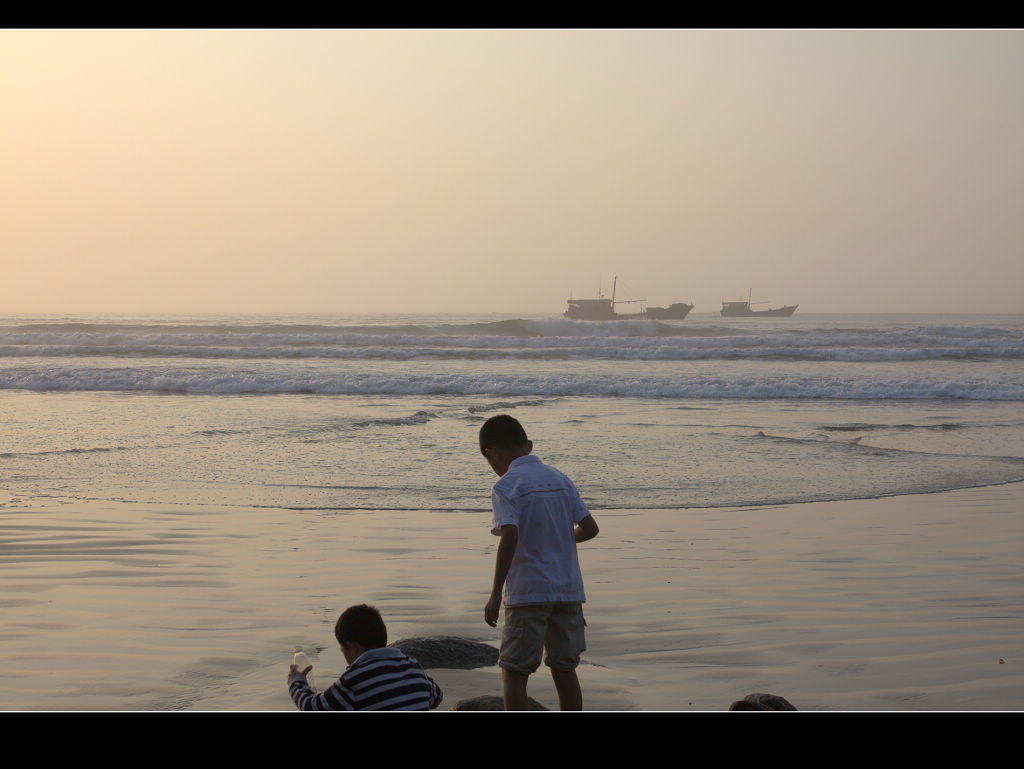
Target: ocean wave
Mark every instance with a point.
(501, 405)
(851, 444)
(59, 452)
(865, 427)
(419, 418)
(551, 339)
(660, 353)
(699, 386)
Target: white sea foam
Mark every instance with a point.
(735, 385)
(880, 359)
(548, 339)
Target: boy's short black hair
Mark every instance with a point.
(502, 432)
(362, 624)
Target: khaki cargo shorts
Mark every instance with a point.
(555, 628)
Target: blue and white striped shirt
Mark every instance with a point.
(381, 679)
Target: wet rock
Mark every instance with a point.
(448, 652)
(490, 703)
(762, 702)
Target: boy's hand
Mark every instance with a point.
(491, 610)
(506, 552)
(294, 670)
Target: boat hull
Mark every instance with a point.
(593, 310)
(730, 310)
(676, 311)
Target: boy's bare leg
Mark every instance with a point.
(570, 697)
(515, 689)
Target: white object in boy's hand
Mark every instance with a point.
(301, 661)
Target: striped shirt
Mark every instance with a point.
(381, 679)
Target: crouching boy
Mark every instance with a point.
(378, 677)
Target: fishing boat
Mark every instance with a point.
(603, 308)
(743, 309)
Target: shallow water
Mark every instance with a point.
(344, 412)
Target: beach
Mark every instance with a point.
(824, 507)
(902, 603)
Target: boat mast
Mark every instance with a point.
(615, 283)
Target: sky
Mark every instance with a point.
(507, 170)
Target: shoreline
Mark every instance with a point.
(905, 602)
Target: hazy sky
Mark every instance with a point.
(413, 170)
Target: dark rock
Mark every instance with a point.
(762, 702)
(490, 703)
(448, 652)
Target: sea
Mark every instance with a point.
(346, 412)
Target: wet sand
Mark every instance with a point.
(903, 603)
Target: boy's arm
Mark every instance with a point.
(586, 529)
(506, 551)
(307, 698)
(436, 695)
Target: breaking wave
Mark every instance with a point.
(549, 339)
(283, 380)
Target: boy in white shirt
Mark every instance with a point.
(540, 518)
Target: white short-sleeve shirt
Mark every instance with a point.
(544, 505)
